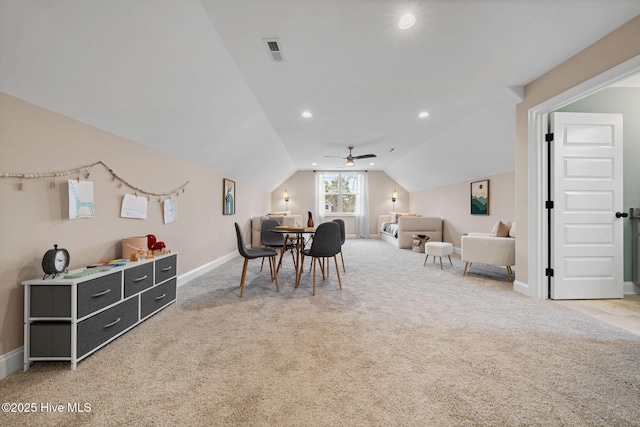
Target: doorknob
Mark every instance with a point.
(621, 214)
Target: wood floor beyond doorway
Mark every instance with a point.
(623, 313)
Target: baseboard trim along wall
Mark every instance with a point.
(522, 288)
(190, 275)
(11, 362)
(631, 289)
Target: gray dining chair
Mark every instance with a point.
(248, 254)
(276, 241)
(325, 244)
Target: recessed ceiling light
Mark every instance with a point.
(306, 114)
(371, 164)
(314, 164)
(423, 114)
(406, 21)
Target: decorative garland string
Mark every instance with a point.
(86, 169)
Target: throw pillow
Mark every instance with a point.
(500, 229)
(396, 215)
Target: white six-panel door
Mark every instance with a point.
(587, 248)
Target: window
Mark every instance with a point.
(340, 192)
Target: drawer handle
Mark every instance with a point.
(140, 278)
(161, 296)
(108, 325)
(167, 268)
(99, 294)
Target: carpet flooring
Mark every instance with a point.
(401, 344)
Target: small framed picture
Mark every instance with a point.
(228, 197)
(480, 197)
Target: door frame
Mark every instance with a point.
(537, 231)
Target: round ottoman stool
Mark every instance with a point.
(438, 249)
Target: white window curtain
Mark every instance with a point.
(318, 205)
(362, 206)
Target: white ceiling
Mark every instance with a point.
(194, 78)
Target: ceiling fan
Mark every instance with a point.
(350, 158)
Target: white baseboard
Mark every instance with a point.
(11, 362)
(522, 288)
(631, 289)
(190, 275)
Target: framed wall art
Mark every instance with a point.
(228, 197)
(480, 197)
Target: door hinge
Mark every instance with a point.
(548, 137)
(548, 272)
(548, 204)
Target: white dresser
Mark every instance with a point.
(69, 319)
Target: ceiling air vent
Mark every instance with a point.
(274, 49)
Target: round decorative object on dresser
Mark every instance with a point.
(55, 261)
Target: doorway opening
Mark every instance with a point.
(538, 153)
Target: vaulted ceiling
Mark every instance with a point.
(195, 78)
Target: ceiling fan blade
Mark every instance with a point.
(336, 157)
(365, 156)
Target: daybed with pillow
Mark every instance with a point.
(398, 229)
(495, 248)
(283, 218)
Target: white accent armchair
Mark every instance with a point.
(482, 248)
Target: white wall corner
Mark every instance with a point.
(517, 91)
(11, 362)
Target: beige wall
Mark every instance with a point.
(614, 49)
(36, 140)
(381, 186)
(452, 203)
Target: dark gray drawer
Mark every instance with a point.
(50, 339)
(166, 268)
(101, 327)
(50, 301)
(158, 297)
(137, 279)
(98, 293)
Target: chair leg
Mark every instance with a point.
(425, 260)
(244, 275)
(342, 256)
(273, 260)
(314, 276)
(261, 265)
(282, 253)
(450, 262)
(440, 263)
(293, 258)
(338, 271)
(509, 273)
(467, 265)
(271, 268)
(299, 272)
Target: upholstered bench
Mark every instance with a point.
(438, 249)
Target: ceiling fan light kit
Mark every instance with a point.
(350, 158)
